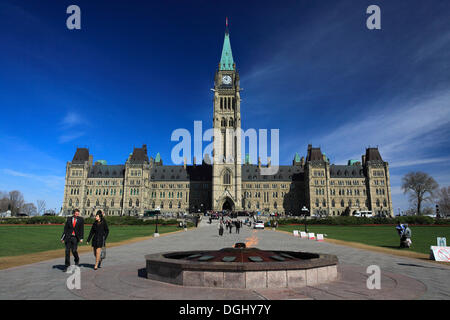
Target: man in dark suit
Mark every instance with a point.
(73, 233)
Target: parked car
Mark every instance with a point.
(258, 225)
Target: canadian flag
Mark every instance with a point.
(226, 21)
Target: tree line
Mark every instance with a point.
(14, 201)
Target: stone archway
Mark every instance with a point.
(228, 205)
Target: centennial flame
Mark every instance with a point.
(252, 241)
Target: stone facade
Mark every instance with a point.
(226, 183)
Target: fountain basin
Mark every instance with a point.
(246, 268)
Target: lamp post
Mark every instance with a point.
(305, 211)
(156, 234)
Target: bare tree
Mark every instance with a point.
(4, 201)
(443, 199)
(29, 209)
(16, 201)
(40, 204)
(420, 187)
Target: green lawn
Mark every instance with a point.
(23, 239)
(382, 236)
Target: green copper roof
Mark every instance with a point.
(247, 158)
(226, 62)
(103, 162)
(297, 157)
(351, 162)
(158, 157)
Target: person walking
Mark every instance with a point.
(220, 226)
(72, 234)
(238, 226)
(99, 234)
(230, 225)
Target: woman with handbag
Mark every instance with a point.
(99, 233)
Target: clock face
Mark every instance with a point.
(226, 80)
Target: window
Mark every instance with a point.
(227, 178)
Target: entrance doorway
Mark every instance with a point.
(228, 205)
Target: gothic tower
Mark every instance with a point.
(227, 182)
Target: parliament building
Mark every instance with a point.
(227, 183)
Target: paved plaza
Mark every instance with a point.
(123, 274)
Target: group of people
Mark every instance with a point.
(405, 235)
(74, 233)
(229, 224)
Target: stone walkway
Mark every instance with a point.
(122, 275)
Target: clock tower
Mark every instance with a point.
(227, 181)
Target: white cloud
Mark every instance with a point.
(50, 181)
(69, 124)
(399, 132)
(69, 137)
(72, 119)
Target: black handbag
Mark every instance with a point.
(103, 252)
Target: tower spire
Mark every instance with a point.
(226, 61)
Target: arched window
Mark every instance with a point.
(342, 203)
(227, 178)
(324, 203)
(230, 123)
(333, 203)
(153, 205)
(137, 202)
(70, 202)
(130, 203)
(378, 202)
(179, 205)
(162, 205)
(97, 203)
(275, 205)
(221, 103)
(112, 203)
(170, 205)
(88, 203)
(384, 203)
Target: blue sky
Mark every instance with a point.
(138, 70)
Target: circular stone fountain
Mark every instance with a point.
(242, 267)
